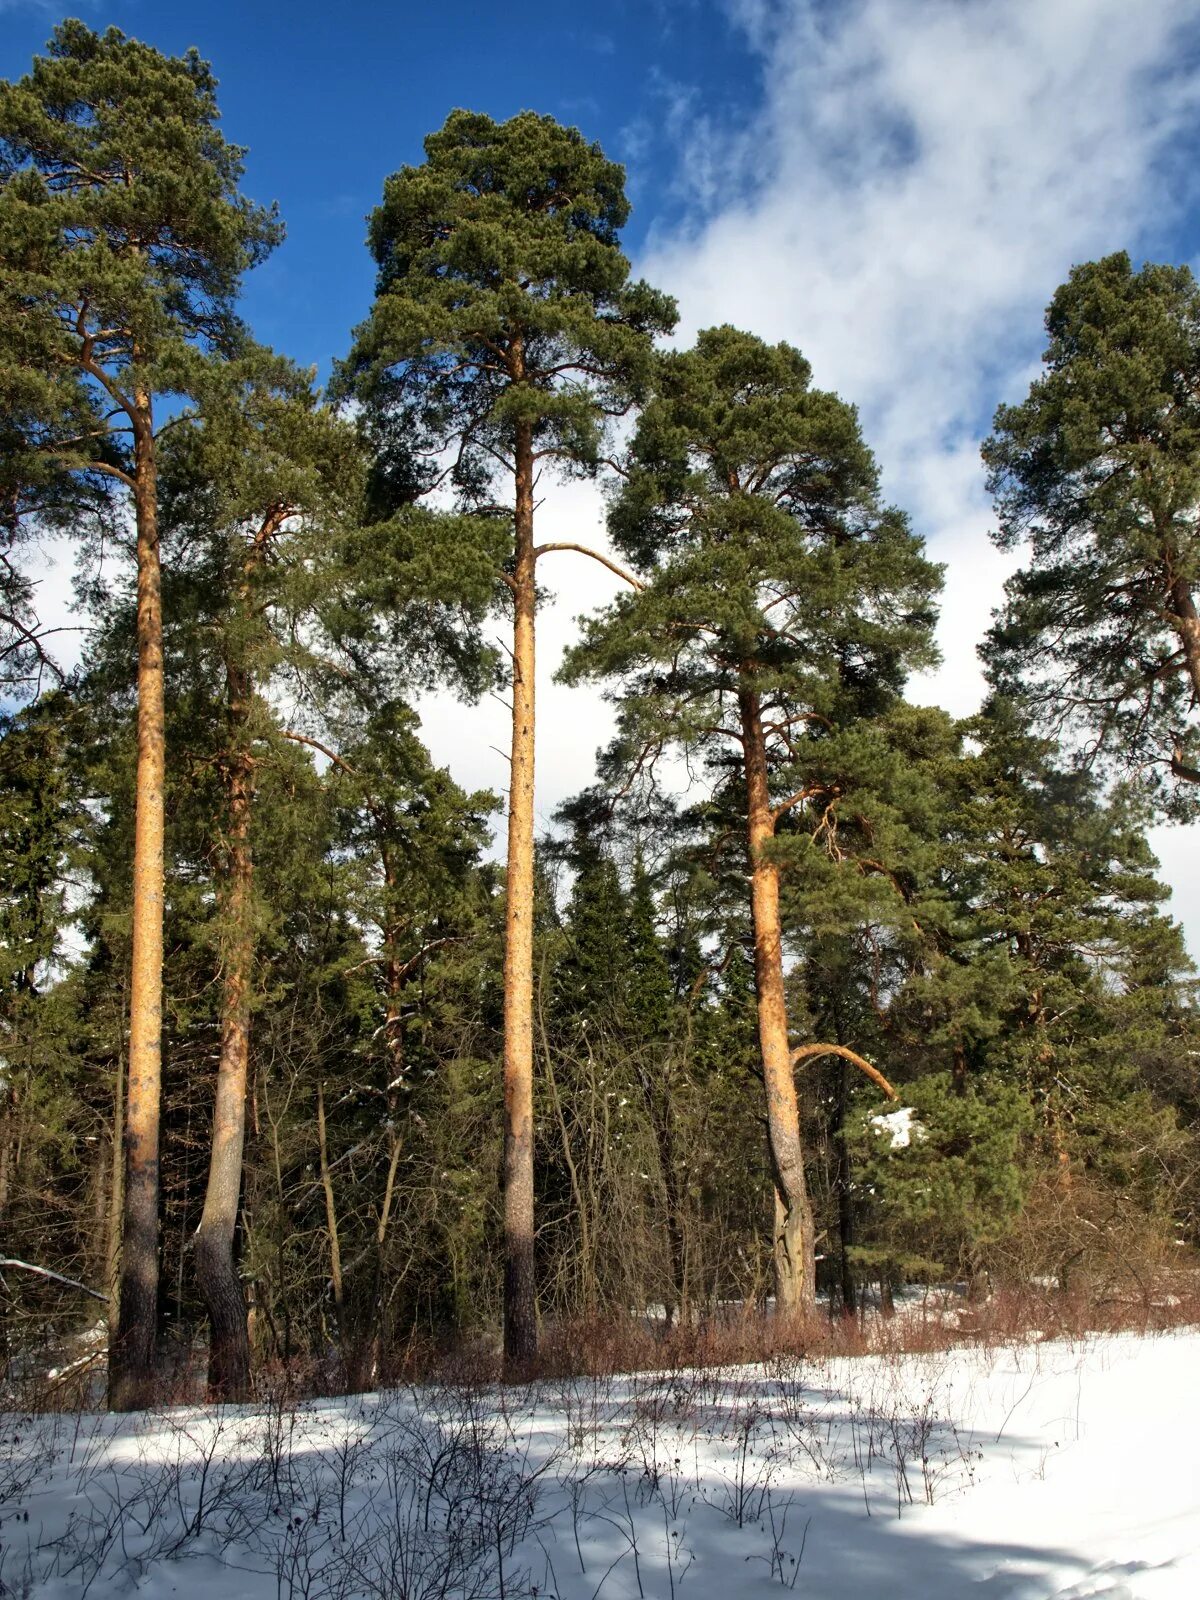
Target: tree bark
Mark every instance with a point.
(8, 1098)
(331, 1222)
(664, 1132)
(364, 1361)
(216, 1269)
(520, 1307)
(842, 1178)
(112, 1261)
(794, 1252)
(1187, 626)
(131, 1362)
(100, 1191)
(658, 1091)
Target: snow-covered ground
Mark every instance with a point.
(1049, 1470)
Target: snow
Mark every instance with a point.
(1047, 1471)
(901, 1125)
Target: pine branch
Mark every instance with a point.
(583, 550)
(809, 1052)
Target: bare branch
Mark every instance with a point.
(583, 550)
(809, 1052)
(315, 744)
(55, 1277)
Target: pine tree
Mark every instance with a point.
(37, 820)
(658, 1055)
(648, 989)
(263, 482)
(122, 242)
(416, 839)
(780, 603)
(1099, 468)
(999, 979)
(505, 332)
(590, 976)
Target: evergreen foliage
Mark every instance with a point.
(505, 334)
(780, 605)
(383, 1057)
(1099, 468)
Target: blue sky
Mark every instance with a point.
(896, 186)
(331, 98)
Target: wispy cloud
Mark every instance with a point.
(917, 179)
(921, 174)
(920, 177)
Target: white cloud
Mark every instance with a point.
(920, 176)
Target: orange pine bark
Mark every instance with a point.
(794, 1255)
(132, 1351)
(520, 1306)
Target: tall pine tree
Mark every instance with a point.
(1099, 469)
(505, 332)
(781, 602)
(123, 239)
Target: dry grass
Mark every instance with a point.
(927, 1320)
(924, 1321)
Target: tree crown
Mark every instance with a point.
(750, 505)
(503, 298)
(1099, 468)
(120, 200)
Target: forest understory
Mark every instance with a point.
(320, 1073)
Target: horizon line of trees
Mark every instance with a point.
(281, 1051)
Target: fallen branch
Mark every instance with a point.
(808, 1052)
(58, 1375)
(44, 1272)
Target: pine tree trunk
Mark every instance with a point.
(676, 1244)
(216, 1269)
(845, 1198)
(100, 1191)
(131, 1360)
(794, 1254)
(1187, 626)
(366, 1359)
(8, 1099)
(112, 1262)
(331, 1224)
(520, 1309)
(660, 1108)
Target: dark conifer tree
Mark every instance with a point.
(1099, 468)
(505, 333)
(123, 238)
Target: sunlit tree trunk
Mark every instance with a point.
(794, 1255)
(131, 1372)
(520, 1309)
